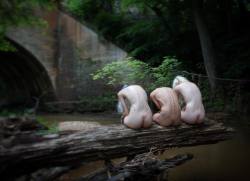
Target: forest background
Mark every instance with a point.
(205, 41)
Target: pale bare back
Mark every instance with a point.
(137, 114)
(166, 100)
(193, 112)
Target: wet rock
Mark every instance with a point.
(77, 125)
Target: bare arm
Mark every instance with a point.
(153, 98)
(177, 90)
(125, 108)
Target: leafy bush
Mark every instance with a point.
(132, 71)
(165, 72)
(129, 71)
(19, 13)
(17, 112)
(51, 125)
(97, 103)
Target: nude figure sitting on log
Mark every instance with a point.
(193, 112)
(166, 101)
(136, 111)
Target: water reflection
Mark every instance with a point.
(84, 170)
(102, 118)
(226, 160)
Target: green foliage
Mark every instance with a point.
(128, 71)
(17, 13)
(146, 29)
(131, 71)
(211, 103)
(144, 37)
(77, 7)
(7, 113)
(165, 73)
(6, 46)
(88, 9)
(51, 125)
(105, 102)
(17, 112)
(97, 103)
(140, 5)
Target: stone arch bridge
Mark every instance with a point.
(54, 61)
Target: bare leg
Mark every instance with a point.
(199, 119)
(147, 122)
(156, 117)
(186, 118)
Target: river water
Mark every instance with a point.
(228, 160)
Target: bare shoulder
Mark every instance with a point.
(123, 92)
(169, 89)
(178, 87)
(163, 89)
(130, 89)
(186, 85)
(156, 91)
(153, 93)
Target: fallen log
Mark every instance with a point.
(103, 142)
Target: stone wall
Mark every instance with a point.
(69, 52)
(81, 52)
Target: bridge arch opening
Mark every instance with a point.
(23, 79)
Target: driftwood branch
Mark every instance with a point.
(103, 142)
(142, 167)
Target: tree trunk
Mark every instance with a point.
(208, 51)
(228, 4)
(242, 8)
(102, 143)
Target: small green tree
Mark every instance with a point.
(132, 71)
(164, 74)
(128, 71)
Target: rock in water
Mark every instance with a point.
(77, 125)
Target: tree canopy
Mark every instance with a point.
(206, 37)
(17, 13)
(150, 30)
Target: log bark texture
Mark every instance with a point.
(103, 142)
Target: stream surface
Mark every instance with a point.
(224, 161)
